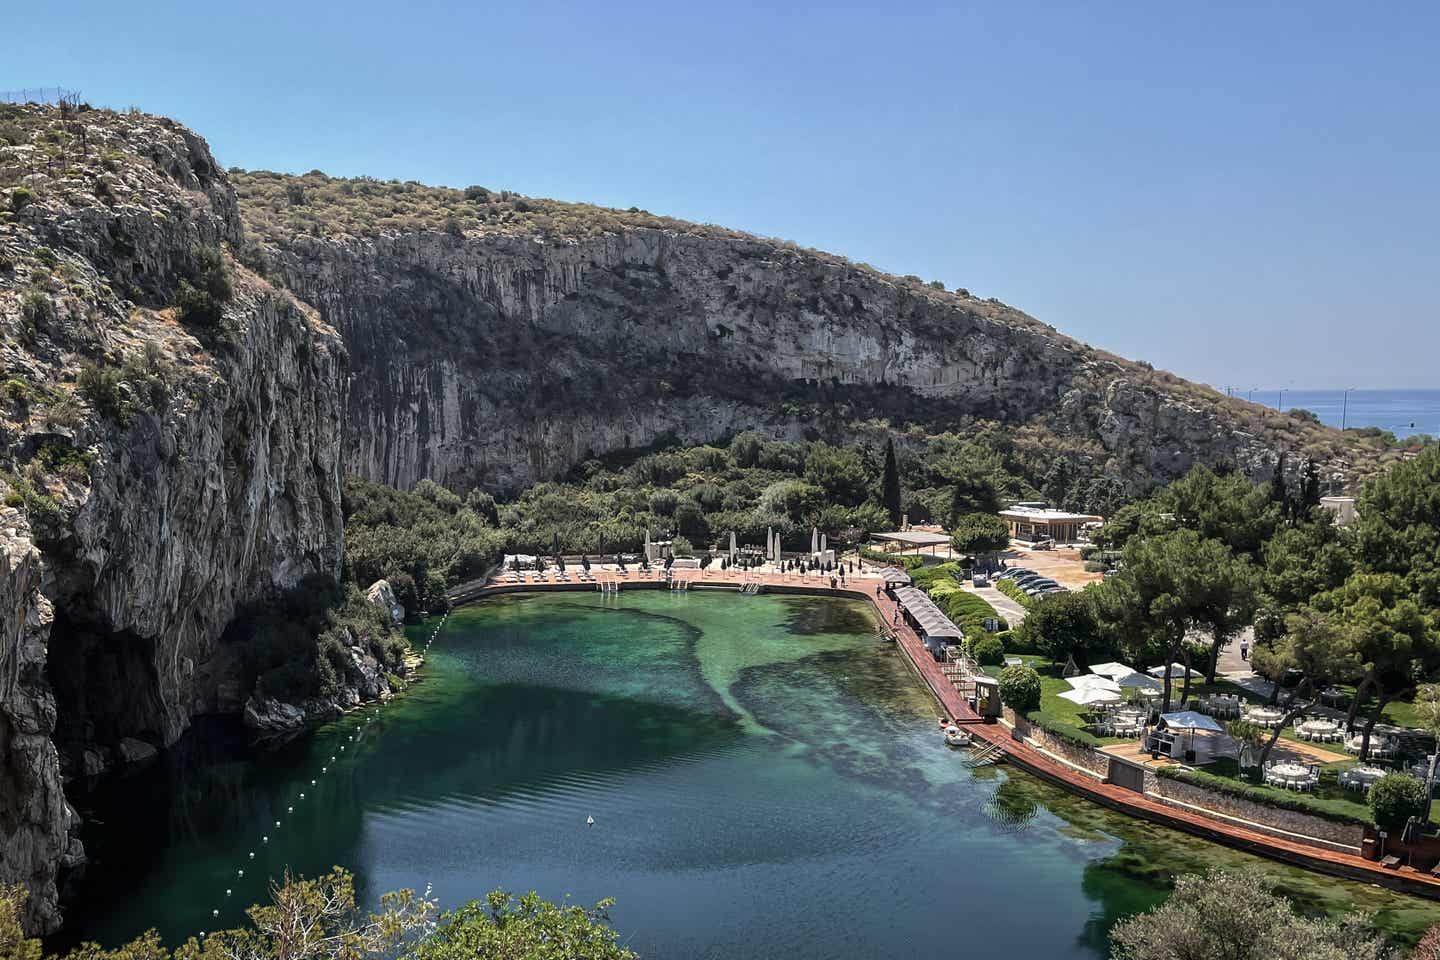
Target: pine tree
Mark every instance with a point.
(890, 484)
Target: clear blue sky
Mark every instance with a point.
(1246, 194)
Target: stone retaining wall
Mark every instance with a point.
(1083, 757)
(1288, 824)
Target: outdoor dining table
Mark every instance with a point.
(1379, 744)
(1285, 771)
(1266, 716)
(1318, 729)
(1361, 776)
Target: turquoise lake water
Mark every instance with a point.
(765, 780)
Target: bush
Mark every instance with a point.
(1012, 591)
(1395, 798)
(197, 308)
(20, 198)
(1020, 688)
(1268, 796)
(1095, 566)
(988, 651)
(101, 386)
(37, 309)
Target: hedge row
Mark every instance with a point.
(1011, 590)
(1283, 800)
(1063, 729)
(909, 563)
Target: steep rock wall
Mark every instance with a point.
(169, 471)
(497, 359)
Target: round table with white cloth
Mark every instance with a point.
(1361, 776)
(1379, 744)
(1267, 716)
(1317, 728)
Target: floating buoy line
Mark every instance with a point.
(368, 717)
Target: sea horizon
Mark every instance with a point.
(1404, 413)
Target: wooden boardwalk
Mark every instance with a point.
(1022, 754)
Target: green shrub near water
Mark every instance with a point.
(1020, 688)
(1268, 796)
(1395, 798)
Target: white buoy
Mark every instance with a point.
(227, 891)
(214, 913)
(252, 854)
(277, 823)
(240, 873)
(289, 809)
(302, 796)
(264, 839)
(589, 821)
(312, 783)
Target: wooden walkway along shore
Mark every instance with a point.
(1000, 736)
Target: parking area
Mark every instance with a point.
(1063, 565)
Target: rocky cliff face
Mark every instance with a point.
(169, 470)
(498, 351)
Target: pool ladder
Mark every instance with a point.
(608, 586)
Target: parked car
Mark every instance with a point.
(980, 580)
(1013, 572)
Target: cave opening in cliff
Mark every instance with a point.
(107, 693)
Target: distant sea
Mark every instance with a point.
(1402, 412)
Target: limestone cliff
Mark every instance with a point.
(498, 340)
(171, 464)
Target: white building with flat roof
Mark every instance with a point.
(1029, 524)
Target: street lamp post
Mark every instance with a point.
(1345, 407)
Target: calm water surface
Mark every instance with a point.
(765, 779)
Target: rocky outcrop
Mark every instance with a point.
(382, 595)
(499, 358)
(171, 470)
(37, 825)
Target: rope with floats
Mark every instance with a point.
(369, 717)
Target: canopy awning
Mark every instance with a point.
(1139, 681)
(895, 575)
(1190, 720)
(932, 622)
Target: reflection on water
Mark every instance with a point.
(765, 778)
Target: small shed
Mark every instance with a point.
(987, 697)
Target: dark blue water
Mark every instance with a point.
(1402, 412)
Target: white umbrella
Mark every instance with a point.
(1090, 696)
(769, 543)
(1140, 681)
(1177, 670)
(814, 540)
(822, 543)
(1112, 670)
(1089, 681)
(732, 546)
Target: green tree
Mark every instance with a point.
(979, 533)
(506, 927)
(1238, 916)
(1167, 584)
(890, 494)
(1020, 688)
(1224, 507)
(1061, 626)
(1394, 799)
(14, 945)
(839, 472)
(1321, 647)
(1396, 638)
(1398, 526)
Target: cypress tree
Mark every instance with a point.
(890, 484)
(1311, 497)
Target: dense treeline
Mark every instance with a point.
(1330, 605)
(429, 538)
